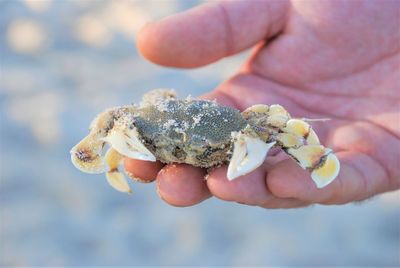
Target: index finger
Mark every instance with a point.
(210, 32)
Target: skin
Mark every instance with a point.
(336, 59)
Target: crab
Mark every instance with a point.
(201, 133)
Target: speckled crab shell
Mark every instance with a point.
(196, 132)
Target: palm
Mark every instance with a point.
(357, 90)
(317, 66)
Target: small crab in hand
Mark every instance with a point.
(201, 133)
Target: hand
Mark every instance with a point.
(336, 59)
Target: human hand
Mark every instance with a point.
(336, 59)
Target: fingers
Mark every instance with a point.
(177, 184)
(250, 189)
(211, 31)
(182, 185)
(142, 171)
(360, 177)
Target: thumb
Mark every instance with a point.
(210, 32)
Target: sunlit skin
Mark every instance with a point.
(319, 59)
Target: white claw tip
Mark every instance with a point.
(128, 144)
(248, 154)
(118, 181)
(328, 172)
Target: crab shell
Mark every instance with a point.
(195, 132)
(200, 133)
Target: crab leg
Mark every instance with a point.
(115, 178)
(308, 152)
(86, 155)
(298, 139)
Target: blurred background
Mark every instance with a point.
(62, 62)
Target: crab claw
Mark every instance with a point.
(86, 155)
(115, 178)
(248, 154)
(324, 164)
(126, 141)
(327, 172)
